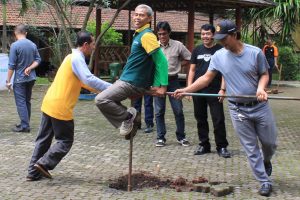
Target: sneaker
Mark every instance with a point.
(148, 129)
(127, 125)
(184, 142)
(134, 128)
(160, 143)
(265, 190)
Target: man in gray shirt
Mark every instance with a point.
(245, 70)
(175, 52)
(23, 59)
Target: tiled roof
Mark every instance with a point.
(47, 18)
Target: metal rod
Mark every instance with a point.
(234, 96)
(129, 185)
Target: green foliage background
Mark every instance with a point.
(111, 37)
(290, 63)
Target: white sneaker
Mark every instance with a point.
(184, 142)
(127, 125)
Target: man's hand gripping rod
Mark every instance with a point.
(233, 96)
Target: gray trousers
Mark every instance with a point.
(109, 101)
(46, 155)
(253, 124)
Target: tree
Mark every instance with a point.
(280, 20)
(111, 37)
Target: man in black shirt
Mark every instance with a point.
(199, 64)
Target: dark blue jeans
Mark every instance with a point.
(148, 105)
(177, 107)
(22, 92)
(271, 64)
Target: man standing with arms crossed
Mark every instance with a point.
(201, 56)
(245, 70)
(175, 52)
(23, 59)
(146, 66)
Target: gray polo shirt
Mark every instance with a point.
(241, 72)
(175, 52)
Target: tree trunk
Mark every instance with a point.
(61, 16)
(87, 17)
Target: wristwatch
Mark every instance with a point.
(223, 89)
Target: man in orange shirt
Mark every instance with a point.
(271, 53)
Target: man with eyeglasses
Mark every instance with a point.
(176, 53)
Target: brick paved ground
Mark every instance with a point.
(99, 154)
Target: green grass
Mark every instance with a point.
(43, 81)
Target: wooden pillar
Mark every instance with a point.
(191, 17)
(97, 50)
(238, 18)
(154, 22)
(211, 17)
(129, 29)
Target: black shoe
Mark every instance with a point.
(201, 150)
(148, 129)
(33, 178)
(42, 170)
(223, 152)
(265, 189)
(268, 168)
(160, 143)
(20, 129)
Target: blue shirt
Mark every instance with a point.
(22, 54)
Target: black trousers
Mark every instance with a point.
(50, 155)
(218, 119)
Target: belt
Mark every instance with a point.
(173, 77)
(246, 104)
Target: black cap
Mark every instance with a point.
(224, 28)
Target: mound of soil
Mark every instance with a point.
(145, 179)
(140, 180)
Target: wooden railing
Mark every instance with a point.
(110, 54)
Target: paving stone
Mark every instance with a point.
(99, 154)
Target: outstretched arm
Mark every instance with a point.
(200, 83)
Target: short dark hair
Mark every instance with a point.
(164, 26)
(208, 27)
(83, 37)
(238, 35)
(21, 29)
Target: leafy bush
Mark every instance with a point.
(290, 63)
(111, 37)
